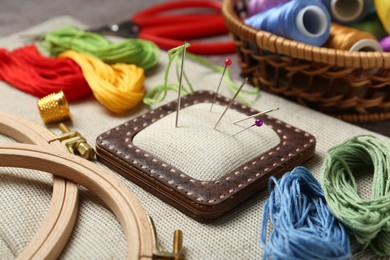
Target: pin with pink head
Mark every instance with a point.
(228, 62)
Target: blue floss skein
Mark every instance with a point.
(305, 21)
(349, 11)
(303, 226)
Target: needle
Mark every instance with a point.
(228, 62)
(180, 85)
(231, 101)
(255, 115)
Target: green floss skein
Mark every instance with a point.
(158, 93)
(367, 219)
(132, 51)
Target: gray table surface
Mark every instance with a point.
(17, 15)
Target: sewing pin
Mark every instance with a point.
(180, 84)
(258, 122)
(228, 62)
(231, 102)
(255, 115)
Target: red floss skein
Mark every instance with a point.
(26, 69)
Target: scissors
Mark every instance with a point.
(199, 19)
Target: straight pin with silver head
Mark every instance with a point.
(228, 62)
(180, 84)
(255, 115)
(231, 102)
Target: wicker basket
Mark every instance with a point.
(353, 86)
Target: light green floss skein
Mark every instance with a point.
(368, 220)
(158, 93)
(131, 51)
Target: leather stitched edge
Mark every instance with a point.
(118, 141)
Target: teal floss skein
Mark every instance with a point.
(302, 224)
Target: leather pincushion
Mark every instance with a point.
(202, 171)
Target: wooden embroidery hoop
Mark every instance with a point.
(62, 213)
(54, 232)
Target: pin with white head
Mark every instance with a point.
(258, 122)
(180, 84)
(228, 62)
(231, 102)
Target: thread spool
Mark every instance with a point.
(346, 38)
(373, 25)
(258, 6)
(305, 21)
(348, 11)
(385, 43)
(383, 10)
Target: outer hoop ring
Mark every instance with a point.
(114, 193)
(62, 213)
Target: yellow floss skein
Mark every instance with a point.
(117, 87)
(383, 11)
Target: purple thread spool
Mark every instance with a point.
(385, 43)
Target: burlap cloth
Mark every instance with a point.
(25, 194)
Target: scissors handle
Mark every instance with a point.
(147, 15)
(201, 18)
(196, 47)
(184, 31)
(160, 20)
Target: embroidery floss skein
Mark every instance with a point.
(367, 219)
(118, 87)
(305, 21)
(347, 38)
(302, 225)
(132, 51)
(26, 69)
(348, 11)
(383, 11)
(158, 93)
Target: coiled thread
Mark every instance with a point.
(305, 21)
(347, 38)
(383, 11)
(118, 87)
(29, 71)
(368, 219)
(348, 11)
(132, 51)
(302, 225)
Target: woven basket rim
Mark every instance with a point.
(277, 44)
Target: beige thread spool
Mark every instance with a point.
(54, 108)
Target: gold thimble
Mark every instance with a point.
(54, 108)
